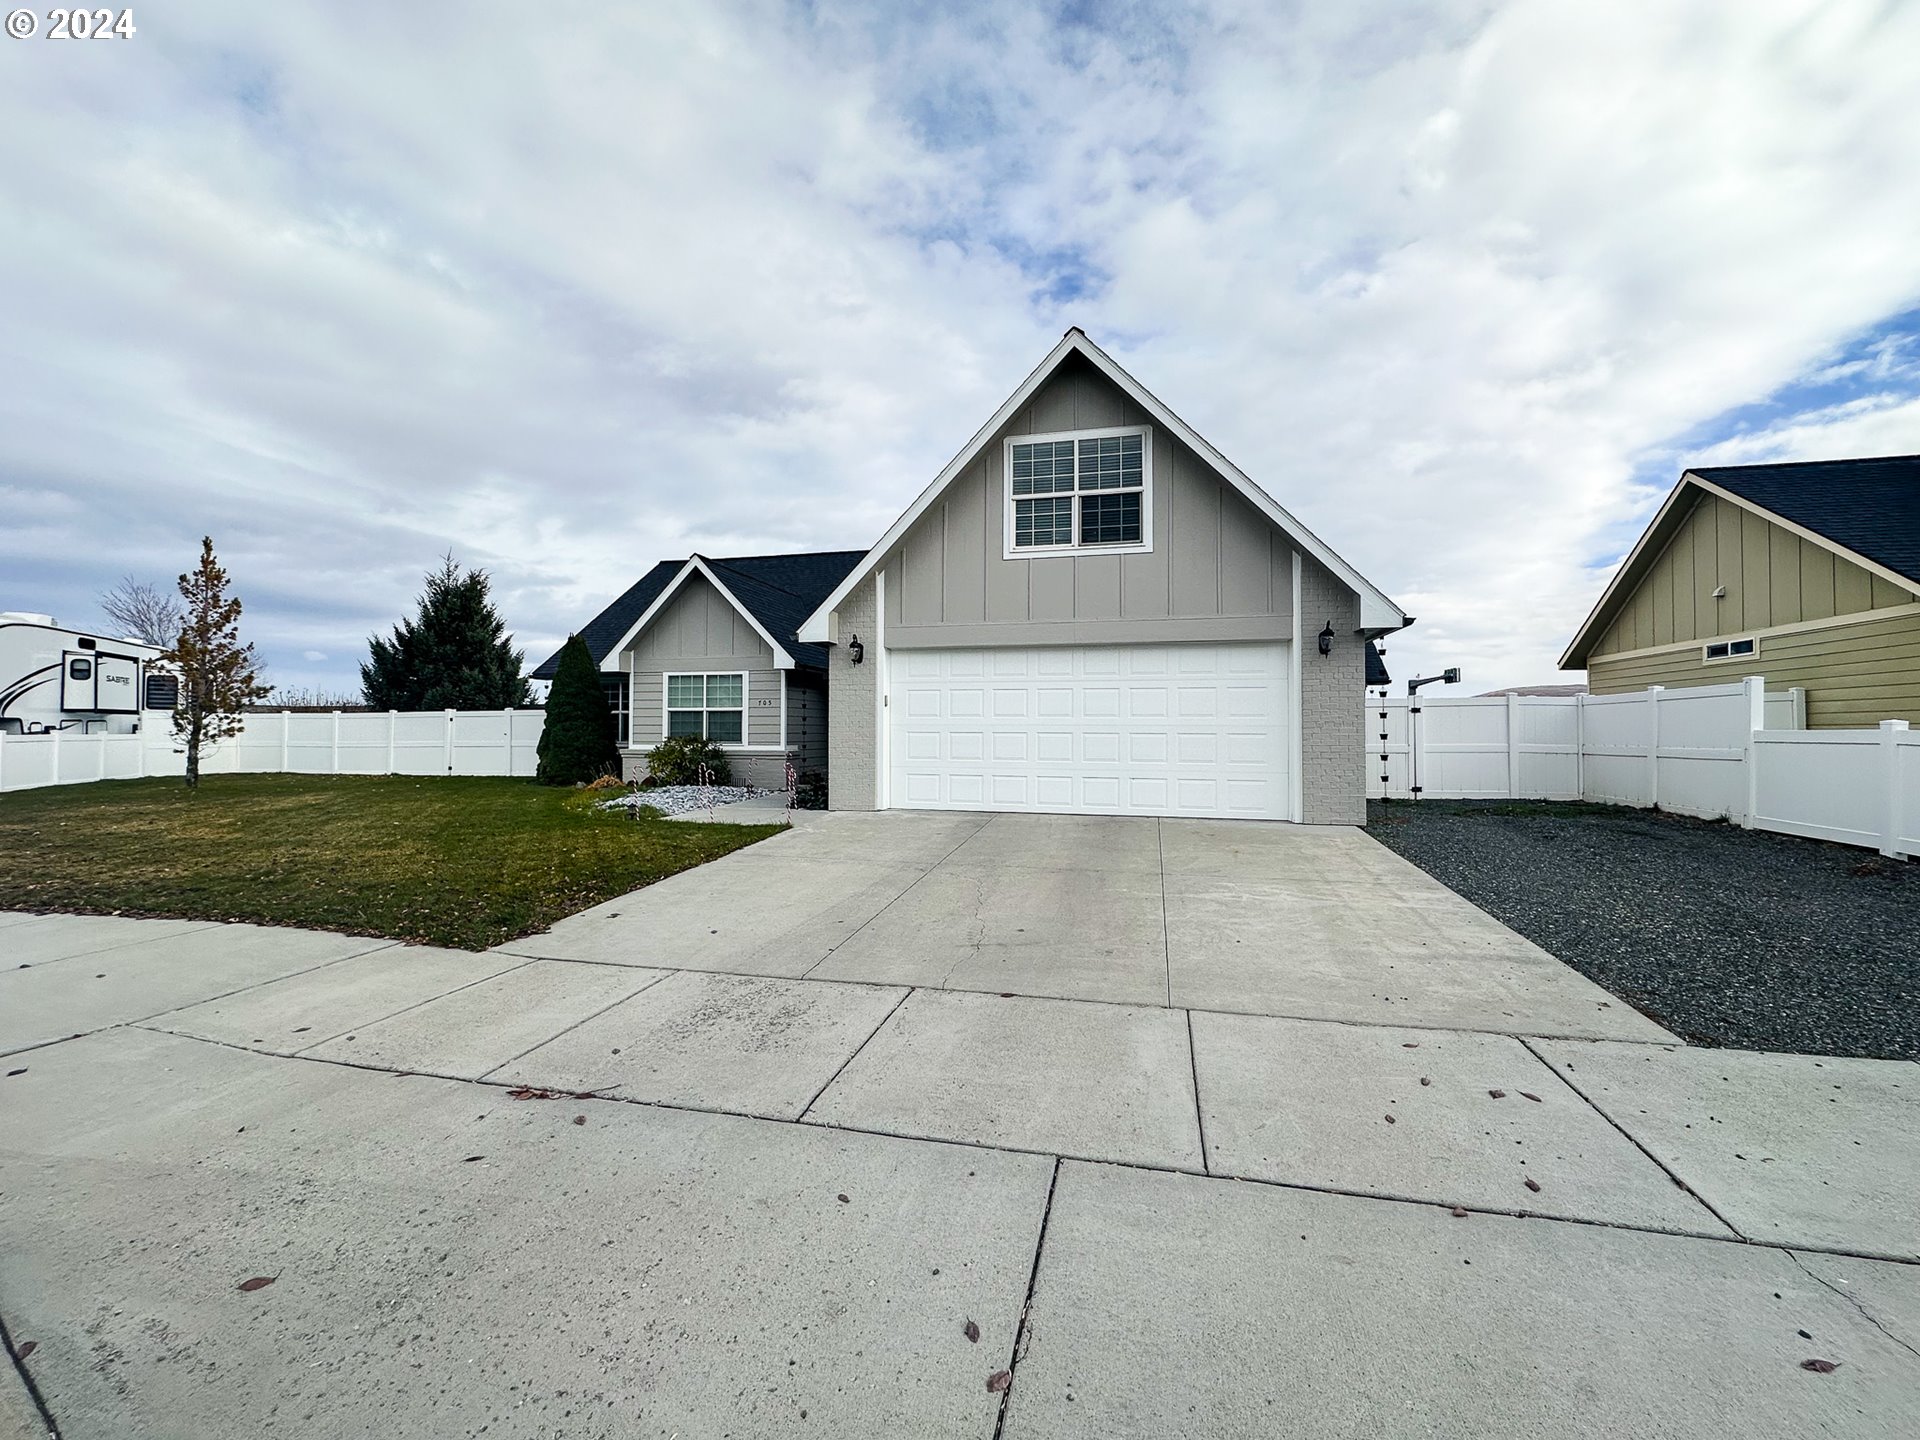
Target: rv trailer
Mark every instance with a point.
(54, 679)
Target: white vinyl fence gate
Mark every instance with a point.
(350, 742)
(1717, 751)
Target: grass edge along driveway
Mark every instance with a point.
(458, 862)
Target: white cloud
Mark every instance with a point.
(347, 287)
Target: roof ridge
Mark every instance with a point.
(786, 555)
(1797, 464)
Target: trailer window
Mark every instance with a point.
(79, 669)
(163, 692)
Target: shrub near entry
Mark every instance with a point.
(677, 761)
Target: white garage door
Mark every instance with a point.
(1106, 730)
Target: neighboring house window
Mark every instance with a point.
(1730, 649)
(1084, 491)
(711, 705)
(617, 692)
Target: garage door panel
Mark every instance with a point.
(1187, 730)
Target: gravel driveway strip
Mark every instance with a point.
(1726, 936)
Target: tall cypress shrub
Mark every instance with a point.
(577, 743)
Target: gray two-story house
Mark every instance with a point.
(1091, 610)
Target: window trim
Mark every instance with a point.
(1144, 545)
(1750, 641)
(667, 677)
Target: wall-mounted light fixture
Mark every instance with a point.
(1326, 639)
(856, 652)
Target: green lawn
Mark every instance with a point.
(457, 862)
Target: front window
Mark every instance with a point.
(709, 705)
(1085, 491)
(616, 690)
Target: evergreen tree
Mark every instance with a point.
(454, 655)
(577, 742)
(218, 675)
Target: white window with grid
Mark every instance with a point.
(714, 706)
(1083, 491)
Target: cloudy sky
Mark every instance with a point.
(567, 289)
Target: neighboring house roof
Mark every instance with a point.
(776, 591)
(1377, 612)
(1560, 691)
(1867, 510)
(1870, 507)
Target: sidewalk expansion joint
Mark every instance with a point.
(1633, 1140)
(1732, 1237)
(840, 1069)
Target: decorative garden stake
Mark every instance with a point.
(793, 784)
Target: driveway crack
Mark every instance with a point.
(844, 939)
(40, 1401)
(1022, 1335)
(1853, 1300)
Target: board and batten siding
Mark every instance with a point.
(1218, 569)
(1772, 577)
(1856, 673)
(1792, 596)
(702, 631)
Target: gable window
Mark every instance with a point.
(1081, 491)
(1730, 649)
(710, 705)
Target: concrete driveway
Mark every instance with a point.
(1201, 1129)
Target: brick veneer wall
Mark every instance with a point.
(851, 742)
(1332, 718)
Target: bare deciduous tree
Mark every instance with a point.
(139, 611)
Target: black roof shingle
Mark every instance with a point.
(779, 591)
(1872, 506)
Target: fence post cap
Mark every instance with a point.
(1894, 725)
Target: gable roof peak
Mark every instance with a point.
(1377, 612)
(1865, 510)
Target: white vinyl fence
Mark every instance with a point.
(392, 742)
(1718, 751)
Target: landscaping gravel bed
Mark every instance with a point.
(682, 799)
(1725, 936)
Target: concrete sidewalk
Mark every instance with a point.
(645, 1192)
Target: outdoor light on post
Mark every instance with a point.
(1449, 676)
(1326, 639)
(856, 651)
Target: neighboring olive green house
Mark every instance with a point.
(1808, 574)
